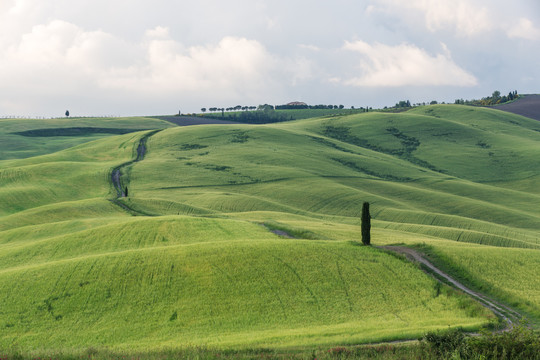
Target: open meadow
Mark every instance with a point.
(190, 257)
(23, 138)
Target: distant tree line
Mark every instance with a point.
(494, 99)
(277, 107)
(407, 104)
(403, 104)
(265, 114)
(305, 106)
(232, 108)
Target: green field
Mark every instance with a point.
(188, 259)
(23, 138)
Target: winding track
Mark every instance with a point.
(509, 315)
(116, 175)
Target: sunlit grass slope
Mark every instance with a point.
(509, 274)
(244, 292)
(327, 167)
(23, 138)
(78, 173)
(199, 268)
(433, 172)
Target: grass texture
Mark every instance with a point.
(198, 265)
(24, 138)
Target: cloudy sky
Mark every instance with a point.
(143, 57)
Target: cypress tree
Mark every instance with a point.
(366, 224)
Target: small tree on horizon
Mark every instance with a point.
(366, 224)
(67, 113)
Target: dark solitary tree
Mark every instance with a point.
(67, 113)
(366, 224)
(126, 192)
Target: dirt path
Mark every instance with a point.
(115, 179)
(120, 182)
(282, 233)
(507, 314)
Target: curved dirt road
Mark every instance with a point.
(502, 311)
(116, 173)
(116, 176)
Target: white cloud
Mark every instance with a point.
(462, 16)
(405, 65)
(236, 65)
(159, 32)
(524, 29)
(62, 59)
(309, 47)
(12, 20)
(58, 55)
(147, 57)
(300, 70)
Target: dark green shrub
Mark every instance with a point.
(519, 343)
(446, 343)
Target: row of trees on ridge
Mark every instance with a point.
(234, 108)
(494, 99)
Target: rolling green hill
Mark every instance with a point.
(24, 138)
(188, 259)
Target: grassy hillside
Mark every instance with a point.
(23, 138)
(198, 264)
(79, 173)
(508, 274)
(326, 167)
(174, 294)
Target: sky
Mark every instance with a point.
(157, 57)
